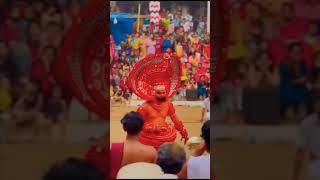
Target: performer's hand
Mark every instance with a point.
(184, 139)
(184, 135)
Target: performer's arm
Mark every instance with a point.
(177, 122)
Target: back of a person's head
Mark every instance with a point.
(73, 169)
(205, 134)
(171, 158)
(132, 123)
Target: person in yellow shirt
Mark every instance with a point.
(111, 91)
(184, 73)
(179, 50)
(165, 22)
(193, 60)
(237, 48)
(143, 45)
(135, 43)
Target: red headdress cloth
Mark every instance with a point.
(157, 69)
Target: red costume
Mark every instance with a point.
(153, 78)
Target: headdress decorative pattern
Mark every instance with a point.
(154, 70)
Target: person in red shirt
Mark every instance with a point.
(159, 40)
(200, 71)
(123, 84)
(42, 70)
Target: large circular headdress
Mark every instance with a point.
(153, 70)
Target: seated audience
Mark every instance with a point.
(171, 157)
(198, 165)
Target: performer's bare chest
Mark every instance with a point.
(157, 111)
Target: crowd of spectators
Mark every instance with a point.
(273, 44)
(183, 34)
(31, 33)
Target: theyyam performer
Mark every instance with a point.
(156, 79)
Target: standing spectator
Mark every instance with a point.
(195, 42)
(143, 45)
(206, 108)
(199, 72)
(135, 42)
(176, 21)
(193, 60)
(159, 43)
(179, 50)
(117, 79)
(123, 83)
(151, 45)
(294, 93)
(202, 87)
(200, 27)
(166, 43)
(185, 44)
(191, 84)
(170, 28)
(42, 69)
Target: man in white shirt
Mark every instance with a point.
(206, 108)
(198, 165)
(309, 145)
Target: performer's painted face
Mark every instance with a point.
(161, 95)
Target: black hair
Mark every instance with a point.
(73, 169)
(205, 134)
(132, 123)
